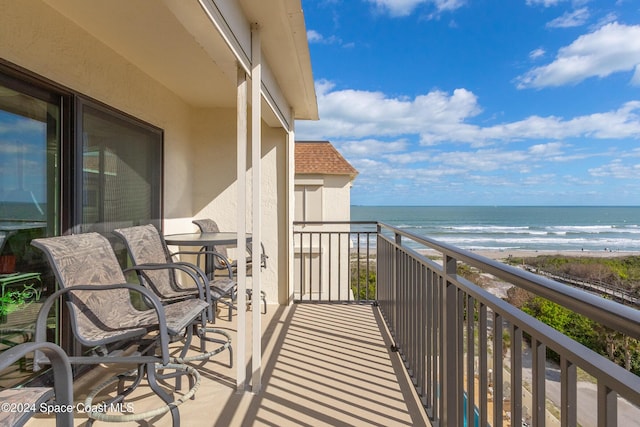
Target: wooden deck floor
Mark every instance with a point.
(323, 365)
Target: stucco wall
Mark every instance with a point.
(335, 198)
(215, 186)
(316, 259)
(39, 39)
(337, 192)
(199, 143)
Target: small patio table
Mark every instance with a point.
(207, 240)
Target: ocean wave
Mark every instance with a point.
(544, 242)
(547, 230)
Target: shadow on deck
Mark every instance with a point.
(323, 364)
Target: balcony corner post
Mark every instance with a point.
(450, 378)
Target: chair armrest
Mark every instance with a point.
(62, 374)
(40, 335)
(263, 255)
(225, 260)
(201, 285)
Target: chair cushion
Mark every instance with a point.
(182, 314)
(21, 398)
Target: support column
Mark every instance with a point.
(241, 221)
(256, 184)
(290, 213)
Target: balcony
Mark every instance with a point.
(412, 343)
(324, 365)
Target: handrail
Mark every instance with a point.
(434, 314)
(449, 331)
(609, 313)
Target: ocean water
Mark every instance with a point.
(556, 228)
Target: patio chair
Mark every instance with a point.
(148, 251)
(24, 402)
(104, 319)
(207, 225)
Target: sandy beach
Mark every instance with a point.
(517, 253)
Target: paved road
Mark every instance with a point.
(628, 414)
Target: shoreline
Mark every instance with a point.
(498, 254)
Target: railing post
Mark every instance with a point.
(396, 283)
(607, 406)
(450, 352)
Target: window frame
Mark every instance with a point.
(82, 102)
(70, 197)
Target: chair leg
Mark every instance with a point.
(122, 392)
(153, 383)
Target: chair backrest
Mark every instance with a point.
(207, 225)
(88, 259)
(146, 246)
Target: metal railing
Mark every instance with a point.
(473, 356)
(334, 261)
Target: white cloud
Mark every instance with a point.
(314, 37)
(617, 169)
(607, 19)
(537, 53)
(610, 49)
(545, 3)
(360, 114)
(571, 19)
(546, 150)
(483, 160)
(397, 8)
(371, 147)
(409, 157)
(440, 117)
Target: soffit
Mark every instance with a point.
(196, 63)
(286, 49)
(147, 34)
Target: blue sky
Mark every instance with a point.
(480, 102)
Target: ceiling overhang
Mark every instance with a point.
(176, 43)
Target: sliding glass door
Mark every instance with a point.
(30, 140)
(68, 164)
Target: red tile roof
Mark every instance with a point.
(320, 157)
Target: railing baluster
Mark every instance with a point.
(311, 265)
(366, 281)
(422, 332)
(431, 342)
(459, 331)
(429, 309)
(516, 374)
(483, 369)
(320, 265)
(330, 262)
(302, 266)
(470, 317)
(569, 393)
(450, 390)
(440, 355)
(498, 377)
(538, 376)
(607, 406)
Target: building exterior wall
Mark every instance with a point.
(40, 40)
(199, 143)
(215, 187)
(329, 200)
